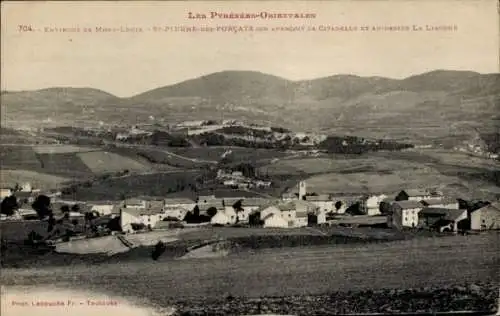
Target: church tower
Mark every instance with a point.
(302, 190)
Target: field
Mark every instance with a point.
(158, 184)
(9, 178)
(63, 163)
(456, 174)
(22, 157)
(61, 149)
(103, 162)
(238, 153)
(286, 271)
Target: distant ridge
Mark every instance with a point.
(437, 98)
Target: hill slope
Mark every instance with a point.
(342, 103)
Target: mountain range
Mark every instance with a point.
(433, 104)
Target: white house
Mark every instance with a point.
(417, 195)
(178, 208)
(372, 204)
(134, 203)
(274, 220)
(26, 187)
(22, 212)
(246, 206)
(148, 217)
(103, 209)
(227, 216)
(345, 201)
(270, 209)
(324, 202)
(487, 217)
(404, 213)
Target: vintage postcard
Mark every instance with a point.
(250, 158)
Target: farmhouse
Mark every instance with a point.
(25, 197)
(103, 208)
(487, 217)
(134, 203)
(404, 214)
(227, 216)
(324, 202)
(25, 213)
(296, 213)
(129, 217)
(301, 209)
(245, 206)
(274, 220)
(442, 218)
(441, 203)
(345, 202)
(417, 195)
(372, 204)
(178, 208)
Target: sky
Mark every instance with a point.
(126, 64)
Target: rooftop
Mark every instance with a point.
(440, 201)
(321, 197)
(417, 192)
(408, 204)
(171, 201)
(495, 206)
(140, 211)
(447, 214)
(293, 205)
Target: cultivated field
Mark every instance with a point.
(10, 177)
(64, 164)
(61, 149)
(238, 153)
(157, 184)
(456, 174)
(19, 157)
(287, 271)
(103, 162)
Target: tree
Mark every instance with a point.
(9, 205)
(51, 222)
(211, 212)
(42, 206)
(75, 208)
(238, 205)
(114, 224)
(65, 209)
(338, 205)
(196, 211)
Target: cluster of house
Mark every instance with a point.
(424, 208)
(237, 180)
(291, 210)
(408, 208)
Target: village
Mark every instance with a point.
(409, 209)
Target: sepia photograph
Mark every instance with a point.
(250, 158)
